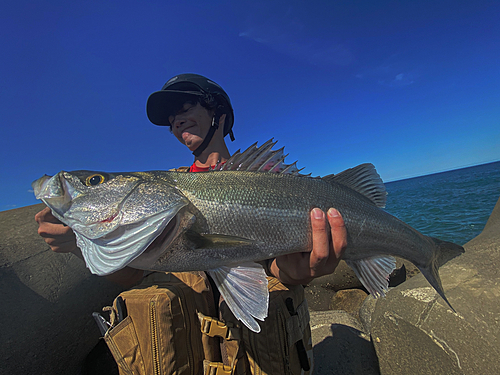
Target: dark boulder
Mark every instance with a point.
(47, 301)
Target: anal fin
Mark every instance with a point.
(374, 273)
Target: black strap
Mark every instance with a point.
(208, 138)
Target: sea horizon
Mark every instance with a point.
(389, 184)
(443, 171)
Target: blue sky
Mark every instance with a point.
(410, 86)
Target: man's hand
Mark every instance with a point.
(301, 268)
(59, 237)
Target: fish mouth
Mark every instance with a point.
(55, 191)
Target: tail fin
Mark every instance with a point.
(447, 250)
(444, 252)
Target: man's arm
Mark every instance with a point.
(301, 268)
(61, 239)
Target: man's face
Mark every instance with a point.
(191, 124)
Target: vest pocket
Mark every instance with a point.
(124, 345)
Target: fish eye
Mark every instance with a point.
(94, 180)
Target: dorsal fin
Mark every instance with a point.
(254, 158)
(365, 180)
(260, 159)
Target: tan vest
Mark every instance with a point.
(170, 328)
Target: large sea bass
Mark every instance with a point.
(252, 208)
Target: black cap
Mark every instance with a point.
(181, 88)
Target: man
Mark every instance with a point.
(190, 126)
(199, 114)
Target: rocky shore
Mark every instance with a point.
(412, 330)
(47, 300)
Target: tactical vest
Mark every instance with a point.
(171, 327)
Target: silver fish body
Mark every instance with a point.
(264, 215)
(177, 221)
(270, 214)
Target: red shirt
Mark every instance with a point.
(194, 168)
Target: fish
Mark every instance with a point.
(225, 221)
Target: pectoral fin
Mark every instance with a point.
(218, 240)
(374, 273)
(244, 289)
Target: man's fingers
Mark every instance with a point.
(59, 237)
(48, 229)
(301, 268)
(320, 241)
(46, 216)
(339, 233)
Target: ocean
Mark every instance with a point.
(452, 206)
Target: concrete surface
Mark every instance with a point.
(414, 331)
(46, 300)
(340, 345)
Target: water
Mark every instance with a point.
(452, 206)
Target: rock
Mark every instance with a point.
(318, 297)
(366, 311)
(342, 278)
(320, 291)
(349, 300)
(340, 345)
(414, 331)
(47, 300)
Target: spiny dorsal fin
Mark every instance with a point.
(253, 158)
(260, 159)
(365, 180)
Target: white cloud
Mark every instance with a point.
(400, 80)
(289, 35)
(393, 72)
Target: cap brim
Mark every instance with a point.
(162, 104)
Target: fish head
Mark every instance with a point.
(115, 216)
(89, 201)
